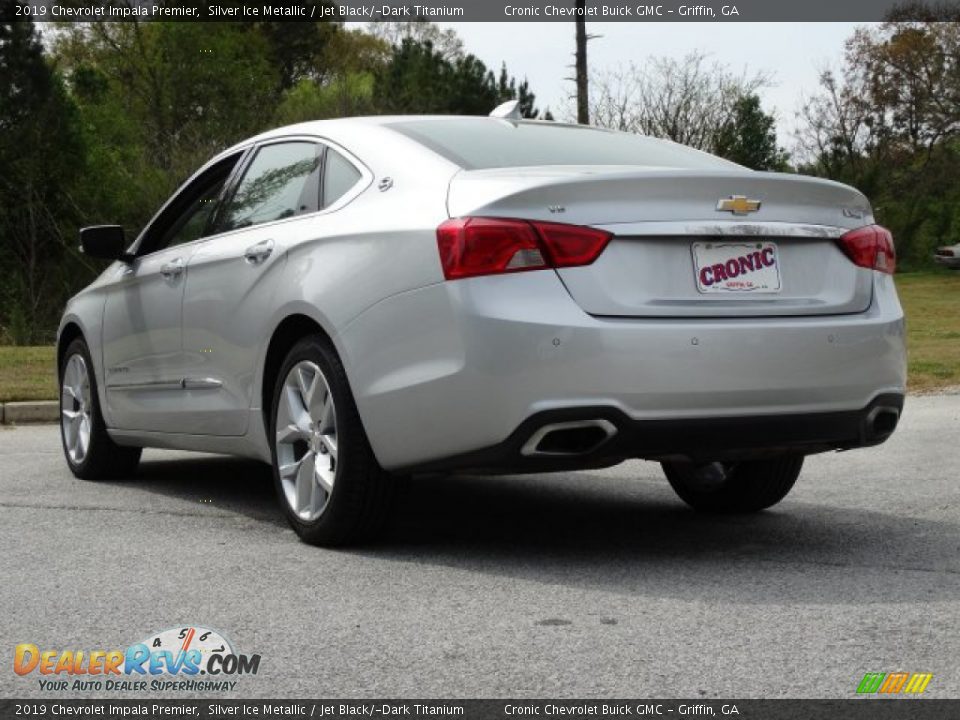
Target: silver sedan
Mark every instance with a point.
(351, 300)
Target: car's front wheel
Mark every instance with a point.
(734, 487)
(329, 483)
(90, 452)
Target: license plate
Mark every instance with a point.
(736, 267)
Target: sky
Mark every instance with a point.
(794, 53)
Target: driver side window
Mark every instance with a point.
(192, 224)
(188, 216)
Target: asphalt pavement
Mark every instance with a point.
(591, 584)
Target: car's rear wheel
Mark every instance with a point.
(734, 487)
(90, 452)
(328, 481)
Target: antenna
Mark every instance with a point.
(510, 110)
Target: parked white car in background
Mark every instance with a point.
(948, 256)
(352, 299)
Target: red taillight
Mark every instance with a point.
(870, 247)
(474, 246)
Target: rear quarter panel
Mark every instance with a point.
(380, 244)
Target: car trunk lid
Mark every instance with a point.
(776, 247)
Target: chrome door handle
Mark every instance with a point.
(256, 254)
(172, 269)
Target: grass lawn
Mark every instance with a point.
(931, 300)
(27, 373)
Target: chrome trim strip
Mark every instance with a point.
(734, 228)
(201, 383)
(182, 384)
(153, 385)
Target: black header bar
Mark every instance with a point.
(483, 10)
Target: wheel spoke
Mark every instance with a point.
(308, 387)
(73, 431)
(84, 391)
(306, 484)
(83, 435)
(289, 471)
(327, 416)
(294, 412)
(326, 471)
(70, 373)
(290, 433)
(329, 441)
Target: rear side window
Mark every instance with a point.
(339, 175)
(282, 180)
(479, 143)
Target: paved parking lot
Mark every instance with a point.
(586, 584)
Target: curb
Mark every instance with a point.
(30, 412)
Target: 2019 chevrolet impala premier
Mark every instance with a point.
(354, 299)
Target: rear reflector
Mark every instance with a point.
(474, 246)
(870, 247)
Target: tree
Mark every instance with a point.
(41, 153)
(418, 79)
(889, 123)
(192, 88)
(686, 100)
(834, 134)
(580, 65)
(444, 41)
(298, 50)
(352, 60)
(507, 89)
(749, 137)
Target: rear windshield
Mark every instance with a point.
(478, 143)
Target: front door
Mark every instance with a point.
(142, 323)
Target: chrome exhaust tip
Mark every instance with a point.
(569, 439)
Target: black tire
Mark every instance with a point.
(357, 508)
(736, 487)
(104, 459)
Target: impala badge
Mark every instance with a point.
(738, 205)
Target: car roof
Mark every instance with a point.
(335, 127)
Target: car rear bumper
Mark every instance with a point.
(576, 438)
(947, 261)
(459, 368)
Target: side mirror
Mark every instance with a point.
(106, 242)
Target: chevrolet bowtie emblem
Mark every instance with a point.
(738, 205)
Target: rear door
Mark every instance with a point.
(280, 200)
(233, 279)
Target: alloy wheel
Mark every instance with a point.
(306, 440)
(76, 412)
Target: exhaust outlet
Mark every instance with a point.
(569, 438)
(882, 421)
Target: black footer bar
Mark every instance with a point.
(868, 708)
